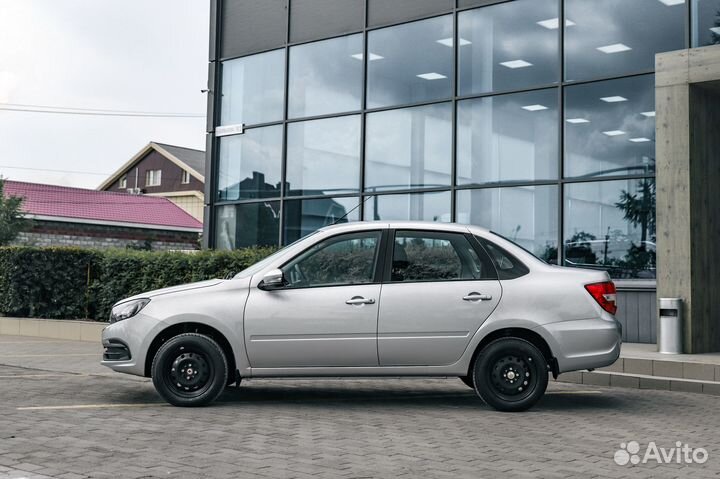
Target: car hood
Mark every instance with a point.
(175, 289)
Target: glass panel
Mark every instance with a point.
(302, 217)
(706, 22)
(408, 148)
(253, 89)
(527, 215)
(324, 156)
(326, 77)
(617, 37)
(435, 257)
(410, 63)
(508, 46)
(508, 138)
(610, 225)
(610, 127)
(347, 259)
(249, 224)
(413, 206)
(249, 165)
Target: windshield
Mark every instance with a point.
(264, 262)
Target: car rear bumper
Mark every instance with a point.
(585, 343)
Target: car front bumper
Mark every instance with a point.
(126, 343)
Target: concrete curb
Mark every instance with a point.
(52, 328)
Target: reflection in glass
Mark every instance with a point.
(617, 37)
(508, 138)
(705, 23)
(408, 148)
(414, 206)
(527, 215)
(610, 225)
(324, 156)
(610, 127)
(326, 77)
(253, 89)
(249, 164)
(248, 224)
(410, 63)
(508, 46)
(302, 217)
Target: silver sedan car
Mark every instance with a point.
(374, 299)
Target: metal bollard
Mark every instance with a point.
(669, 330)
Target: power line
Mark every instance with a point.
(92, 112)
(55, 171)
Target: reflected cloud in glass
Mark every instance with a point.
(527, 215)
(408, 148)
(508, 46)
(410, 63)
(326, 77)
(250, 164)
(508, 138)
(433, 206)
(610, 127)
(253, 89)
(619, 37)
(323, 156)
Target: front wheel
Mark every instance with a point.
(190, 370)
(510, 374)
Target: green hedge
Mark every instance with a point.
(70, 283)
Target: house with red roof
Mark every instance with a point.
(65, 216)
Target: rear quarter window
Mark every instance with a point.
(506, 264)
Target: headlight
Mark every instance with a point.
(127, 309)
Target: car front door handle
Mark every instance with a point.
(359, 300)
(477, 297)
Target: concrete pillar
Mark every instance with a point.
(688, 180)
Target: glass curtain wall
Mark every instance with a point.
(534, 118)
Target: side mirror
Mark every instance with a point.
(273, 279)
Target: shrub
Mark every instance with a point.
(69, 283)
(45, 282)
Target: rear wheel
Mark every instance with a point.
(510, 374)
(190, 370)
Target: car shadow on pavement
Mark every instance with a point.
(393, 396)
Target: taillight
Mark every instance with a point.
(605, 294)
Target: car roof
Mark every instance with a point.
(413, 225)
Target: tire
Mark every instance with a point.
(510, 374)
(468, 380)
(206, 363)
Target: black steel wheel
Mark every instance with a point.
(190, 370)
(510, 374)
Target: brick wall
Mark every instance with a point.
(51, 233)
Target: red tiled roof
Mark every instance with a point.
(92, 205)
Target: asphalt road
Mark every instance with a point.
(64, 416)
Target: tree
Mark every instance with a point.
(639, 209)
(11, 217)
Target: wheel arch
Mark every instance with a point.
(516, 332)
(191, 327)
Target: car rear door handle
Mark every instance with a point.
(477, 297)
(360, 300)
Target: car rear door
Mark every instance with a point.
(326, 316)
(439, 288)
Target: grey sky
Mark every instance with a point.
(136, 55)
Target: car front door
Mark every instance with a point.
(438, 291)
(326, 314)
